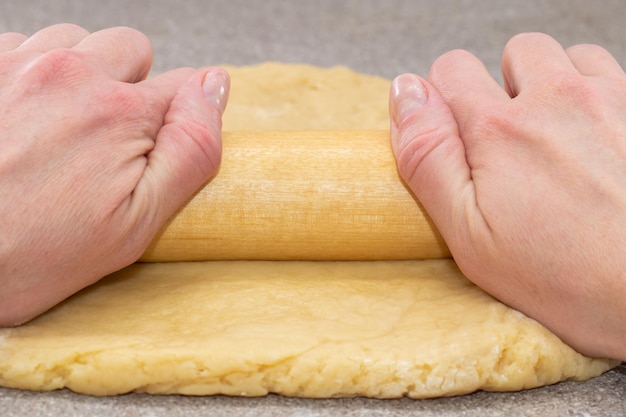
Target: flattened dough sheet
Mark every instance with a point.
(381, 329)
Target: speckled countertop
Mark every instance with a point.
(371, 36)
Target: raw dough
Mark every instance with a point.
(273, 96)
(316, 329)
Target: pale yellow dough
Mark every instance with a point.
(313, 329)
(316, 329)
(275, 96)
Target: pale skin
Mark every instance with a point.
(94, 157)
(527, 183)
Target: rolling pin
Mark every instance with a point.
(301, 195)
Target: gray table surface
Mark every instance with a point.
(377, 37)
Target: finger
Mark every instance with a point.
(188, 146)
(593, 60)
(11, 40)
(63, 35)
(466, 85)
(529, 59)
(123, 53)
(431, 156)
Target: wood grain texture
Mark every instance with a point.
(301, 195)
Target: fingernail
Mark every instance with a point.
(407, 96)
(215, 87)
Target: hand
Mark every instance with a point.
(94, 158)
(527, 183)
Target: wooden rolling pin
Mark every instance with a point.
(301, 195)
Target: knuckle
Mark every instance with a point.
(491, 122)
(124, 102)
(126, 106)
(446, 61)
(525, 38)
(574, 92)
(586, 48)
(453, 56)
(12, 38)
(128, 33)
(128, 38)
(64, 30)
(56, 67)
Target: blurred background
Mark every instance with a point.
(372, 36)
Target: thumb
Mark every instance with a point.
(188, 146)
(431, 155)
